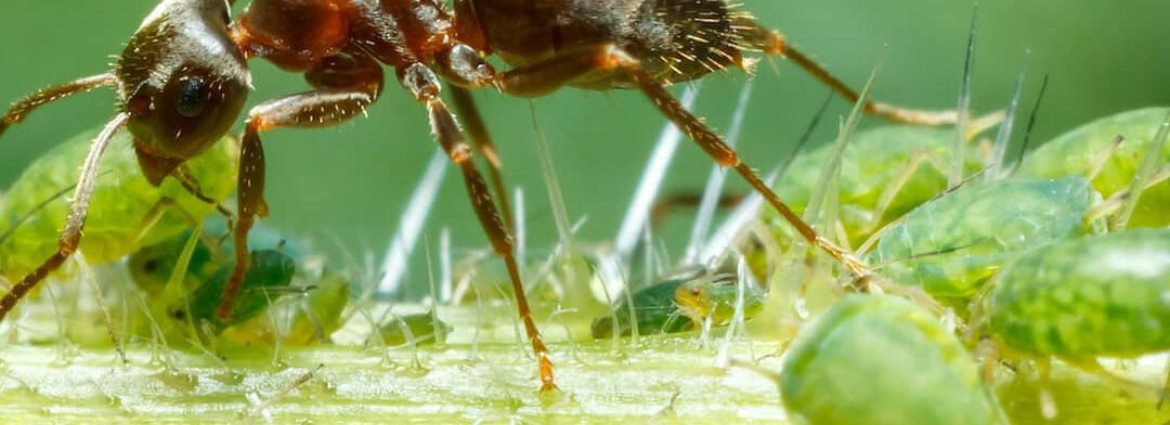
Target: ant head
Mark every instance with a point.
(182, 80)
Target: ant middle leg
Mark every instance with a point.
(23, 107)
(424, 85)
(773, 43)
(346, 84)
(544, 77)
(71, 236)
(482, 141)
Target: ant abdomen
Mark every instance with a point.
(680, 40)
(182, 80)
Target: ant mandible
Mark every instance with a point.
(183, 78)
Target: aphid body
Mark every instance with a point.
(128, 211)
(1084, 298)
(881, 361)
(964, 237)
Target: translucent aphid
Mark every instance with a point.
(1079, 152)
(952, 245)
(680, 305)
(127, 211)
(885, 173)
(421, 328)
(876, 360)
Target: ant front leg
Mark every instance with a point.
(482, 141)
(543, 77)
(773, 43)
(424, 85)
(71, 236)
(346, 85)
(23, 107)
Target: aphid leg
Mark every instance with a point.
(1044, 375)
(482, 141)
(346, 85)
(424, 85)
(901, 178)
(773, 43)
(71, 236)
(540, 78)
(23, 107)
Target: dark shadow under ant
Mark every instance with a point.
(183, 78)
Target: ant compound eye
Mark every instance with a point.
(192, 97)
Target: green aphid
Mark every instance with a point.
(123, 206)
(885, 173)
(267, 280)
(321, 313)
(680, 305)
(881, 361)
(1080, 299)
(1079, 151)
(421, 326)
(953, 245)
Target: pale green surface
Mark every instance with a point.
(882, 361)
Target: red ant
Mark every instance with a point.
(183, 78)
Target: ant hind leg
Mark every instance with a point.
(423, 84)
(773, 43)
(543, 77)
(23, 107)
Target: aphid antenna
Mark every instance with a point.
(552, 183)
(440, 339)
(1031, 126)
(1112, 206)
(174, 288)
(714, 188)
(445, 277)
(260, 406)
(1148, 169)
(819, 197)
(743, 279)
(749, 209)
(1102, 157)
(28, 215)
(411, 223)
(994, 162)
(88, 276)
(955, 174)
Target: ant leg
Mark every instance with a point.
(347, 84)
(482, 141)
(424, 85)
(773, 43)
(71, 236)
(543, 77)
(23, 107)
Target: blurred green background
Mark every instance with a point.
(349, 184)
